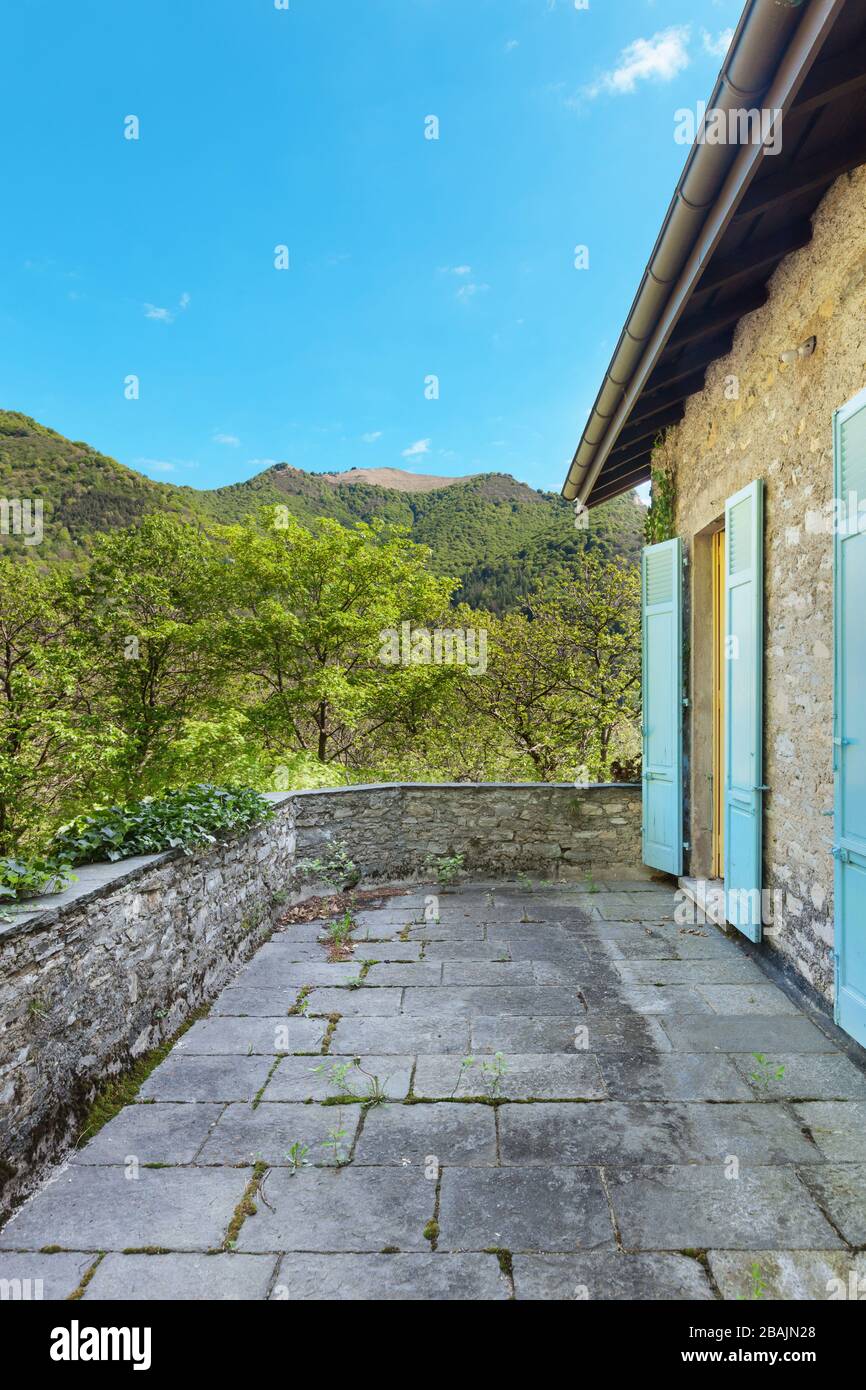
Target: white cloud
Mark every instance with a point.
(371, 436)
(184, 300)
(151, 311)
(719, 45)
(658, 59)
(455, 270)
(421, 446)
(511, 44)
(469, 290)
(230, 439)
(261, 463)
(156, 465)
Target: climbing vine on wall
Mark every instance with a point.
(659, 524)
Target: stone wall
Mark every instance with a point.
(100, 975)
(112, 967)
(391, 830)
(759, 418)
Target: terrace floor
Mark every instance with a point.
(627, 1144)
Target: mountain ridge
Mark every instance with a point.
(491, 531)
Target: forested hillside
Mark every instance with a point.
(496, 535)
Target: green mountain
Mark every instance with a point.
(496, 534)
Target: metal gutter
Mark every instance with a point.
(771, 53)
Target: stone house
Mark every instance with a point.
(739, 386)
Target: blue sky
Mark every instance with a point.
(409, 257)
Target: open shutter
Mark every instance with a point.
(849, 742)
(744, 646)
(662, 689)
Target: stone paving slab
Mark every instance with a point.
(555, 1076)
(193, 1079)
(266, 1134)
(747, 999)
(523, 1209)
(465, 950)
(240, 1001)
(725, 970)
(618, 1132)
(788, 1274)
(169, 1133)
(394, 951)
(391, 1278)
(295, 976)
(424, 973)
(245, 1037)
(279, 967)
(38, 1276)
(745, 1033)
(837, 1127)
(484, 972)
(805, 1076)
(323, 1209)
(441, 1133)
(447, 931)
(399, 1035)
(671, 1077)
(663, 999)
(693, 1207)
(382, 917)
(568, 953)
(470, 1001)
(840, 1188)
(381, 1003)
(551, 972)
(89, 1208)
(182, 1277)
(300, 931)
(299, 1078)
(599, 1032)
(602, 1275)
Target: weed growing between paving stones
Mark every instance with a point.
(301, 1004)
(245, 1207)
(334, 1142)
(756, 1282)
(493, 1072)
(340, 1078)
(88, 1274)
(297, 1156)
(257, 1098)
(336, 867)
(122, 1091)
(506, 1263)
(445, 868)
(333, 1020)
(764, 1072)
(339, 934)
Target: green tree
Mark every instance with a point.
(149, 609)
(309, 610)
(52, 743)
(563, 675)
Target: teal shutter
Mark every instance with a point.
(849, 730)
(744, 648)
(662, 689)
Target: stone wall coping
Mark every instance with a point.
(94, 880)
(467, 787)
